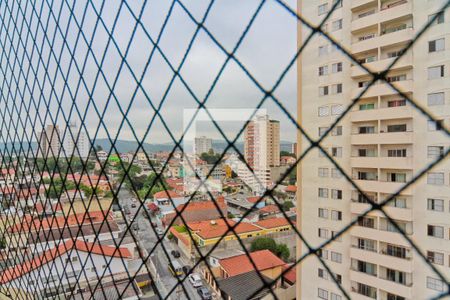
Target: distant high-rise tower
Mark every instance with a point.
(76, 142)
(202, 145)
(49, 142)
(262, 146)
(382, 143)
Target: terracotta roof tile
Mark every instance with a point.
(272, 208)
(272, 223)
(166, 194)
(217, 228)
(49, 255)
(263, 259)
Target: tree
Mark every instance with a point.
(286, 153)
(287, 205)
(265, 243)
(98, 148)
(283, 252)
(210, 157)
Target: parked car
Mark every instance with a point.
(133, 205)
(175, 253)
(204, 293)
(195, 280)
(135, 226)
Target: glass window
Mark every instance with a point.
(436, 178)
(397, 153)
(396, 128)
(436, 45)
(337, 88)
(336, 257)
(337, 130)
(323, 213)
(322, 9)
(337, 109)
(435, 231)
(435, 257)
(336, 215)
(434, 125)
(435, 204)
(336, 151)
(323, 233)
(324, 111)
(336, 67)
(439, 19)
(335, 173)
(323, 70)
(367, 106)
(336, 194)
(435, 151)
(436, 72)
(322, 294)
(396, 103)
(323, 172)
(336, 25)
(323, 193)
(323, 90)
(435, 284)
(335, 297)
(322, 130)
(436, 99)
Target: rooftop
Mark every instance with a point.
(219, 227)
(243, 286)
(166, 194)
(273, 223)
(272, 208)
(51, 254)
(263, 259)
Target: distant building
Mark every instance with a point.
(202, 145)
(262, 148)
(294, 149)
(49, 142)
(76, 142)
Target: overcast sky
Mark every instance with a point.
(265, 52)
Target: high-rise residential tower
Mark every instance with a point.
(262, 146)
(381, 143)
(49, 142)
(76, 142)
(202, 145)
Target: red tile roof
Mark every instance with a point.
(263, 259)
(166, 194)
(291, 275)
(291, 189)
(254, 199)
(273, 223)
(29, 224)
(49, 255)
(202, 205)
(217, 228)
(272, 208)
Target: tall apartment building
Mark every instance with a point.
(381, 143)
(262, 147)
(76, 142)
(202, 145)
(49, 141)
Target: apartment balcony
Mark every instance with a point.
(401, 264)
(358, 4)
(382, 186)
(382, 162)
(380, 235)
(401, 36)
(385, 113)
(384, 15)
(388, 286)
(401, 214)
(383, 89)
(387, 138)
(405, 62)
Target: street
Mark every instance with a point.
(164, 280)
